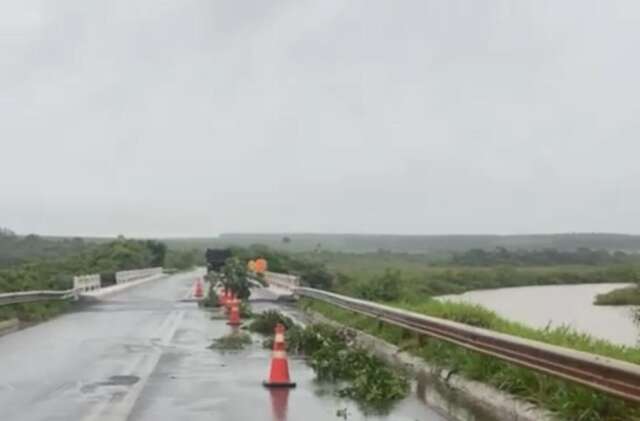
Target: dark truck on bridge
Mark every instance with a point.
(216, 259)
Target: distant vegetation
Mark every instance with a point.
(434, 245)
(387, 276)
(34, 272)
(16, 249)
(184, 259)
(542, 257)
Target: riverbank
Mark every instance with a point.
(565, 399)
(619, 297)
(568, 306)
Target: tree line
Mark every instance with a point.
(541, 257)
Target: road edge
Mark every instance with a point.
(9, 326)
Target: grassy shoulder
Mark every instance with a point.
(619, 297)
(33, 312)
(568, 400)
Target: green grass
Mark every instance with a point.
(620, 297)
(568, 400)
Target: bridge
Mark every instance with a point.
(138, 350)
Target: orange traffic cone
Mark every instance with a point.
(279, 373)
(234, 314)
(198, 289)
(228, 300)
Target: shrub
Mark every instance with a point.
(265, 323)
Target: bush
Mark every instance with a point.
(619, 297)
(385, 287)
(265, 323)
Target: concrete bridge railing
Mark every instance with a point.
(84, 283)
(125, 276)
(282, 280)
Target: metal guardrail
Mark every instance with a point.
(33, 296)
(618, 378)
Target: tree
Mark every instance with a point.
(182, 260)
(158, 252)
(235, 277)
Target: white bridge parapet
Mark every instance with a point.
(125, 276)
(85, 283)
(282, 281)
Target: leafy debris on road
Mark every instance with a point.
(232, 342)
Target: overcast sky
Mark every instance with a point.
(195, 117)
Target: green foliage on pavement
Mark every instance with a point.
(566, 399)
(265, 322)
(234, 341)
(335, 358)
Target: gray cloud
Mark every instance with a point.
(197, 117)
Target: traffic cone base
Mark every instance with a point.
(274, 384)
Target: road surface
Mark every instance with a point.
(142, 355)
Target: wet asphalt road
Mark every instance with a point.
(142, 355)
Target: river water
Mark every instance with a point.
(556, 305)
